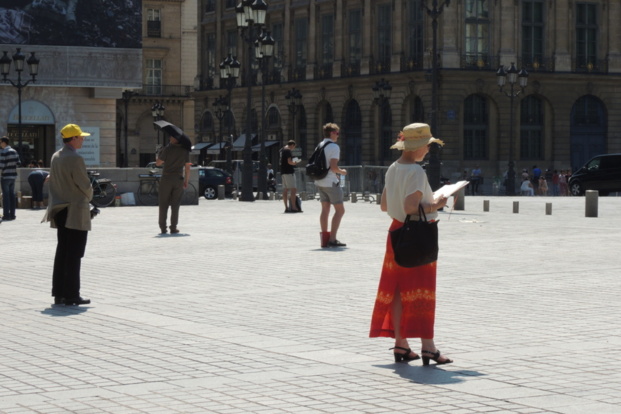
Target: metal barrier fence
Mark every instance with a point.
(360, 179)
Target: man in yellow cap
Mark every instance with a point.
(69, 212)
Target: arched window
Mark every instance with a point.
(531, 129)
(416, 110)
(589, 130)
(475, 128)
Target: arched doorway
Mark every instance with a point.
(38, 141)
(588, 132)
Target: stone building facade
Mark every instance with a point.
(79, 78)
(169, 67)
(334, 52)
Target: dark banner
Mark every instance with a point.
(91, 23)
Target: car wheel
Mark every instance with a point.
(575, 189)
(211, 193)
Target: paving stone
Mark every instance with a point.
(245, 313)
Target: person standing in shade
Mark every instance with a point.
(406, 298)
(69, 212)
(287, 175)
(175, 159)
(329, 188)
(9, 160)
(36, 179)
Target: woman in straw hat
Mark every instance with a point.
(406, 297)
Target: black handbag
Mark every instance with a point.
(416, 242)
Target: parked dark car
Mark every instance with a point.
(601, 173)
(209, 178)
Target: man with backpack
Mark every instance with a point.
(329, 188)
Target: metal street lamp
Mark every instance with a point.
(263, 51)
(250, 18)
(381, 92)
(294, 99)
(157, 111)
(127, 96)
(513, 76)
(433, 169)
(229, 72)
(5, 68)
(222, 107)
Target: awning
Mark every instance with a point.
(239, 143)
(256, 148)
(201, 145)
(196, 149)
(215, 148)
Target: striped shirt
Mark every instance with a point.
(9, 161)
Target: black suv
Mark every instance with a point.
(602, 173)
(209, 178)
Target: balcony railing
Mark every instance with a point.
(411, 63)
(380, 66)
(298, 73)
(349, 69)
(154, 28)
(536, 64)
(586, 65)
(323, 71)
(165, 90)
(479, 61)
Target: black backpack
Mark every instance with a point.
(317, 167)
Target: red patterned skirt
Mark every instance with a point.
(417, 287)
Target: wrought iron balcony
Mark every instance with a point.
(349, 69)
(165, 90)
(323, 71)
(479, 61)
(587, 65)
(536, 64)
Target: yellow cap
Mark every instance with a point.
(72, 130)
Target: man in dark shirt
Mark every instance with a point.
(175, 178)
(287, 174)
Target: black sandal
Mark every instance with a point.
(436, 357)
(404, 357)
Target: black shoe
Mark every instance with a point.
(59, 300)
(77, 301)
(336, 243)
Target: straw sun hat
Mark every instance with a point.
(415, 136)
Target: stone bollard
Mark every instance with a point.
(378, 198)
(485, 205)
(259, 196)
(220, 192)
(460, 202)
(548, 209)
(591, 200)
(354, 198)
(272, 196)
(303, 196)
(516, 207)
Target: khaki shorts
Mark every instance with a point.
(332, 195)
(288, 181)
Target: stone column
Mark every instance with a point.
(339, 38)
(311, 57)
(450, 33)
(366, 38)
(614, 37)
(563, 33)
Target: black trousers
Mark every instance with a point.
(69, 253)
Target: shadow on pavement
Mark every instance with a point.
(62, 310)
(430, 375)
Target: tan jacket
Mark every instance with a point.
(69, 187)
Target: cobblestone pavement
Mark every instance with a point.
(242, 312)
